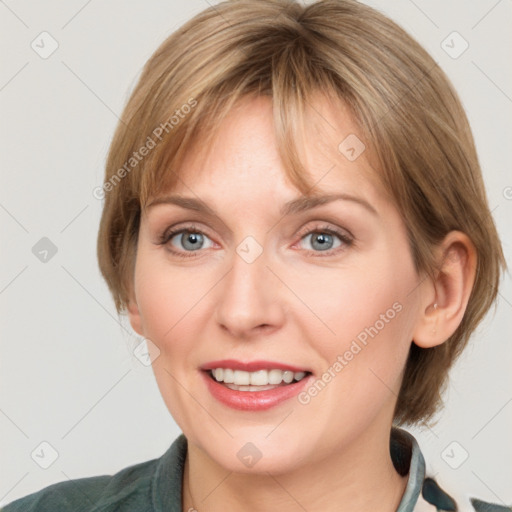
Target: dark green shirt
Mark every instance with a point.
(155, 486)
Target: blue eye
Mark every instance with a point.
(322, 239)
(192, 240)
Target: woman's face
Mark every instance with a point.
(329, 290)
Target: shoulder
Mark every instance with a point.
(434, 498)
(154, 485)
(127, 490)
(423, 493)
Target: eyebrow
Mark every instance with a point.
(292, 207)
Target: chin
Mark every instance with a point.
(254, 451)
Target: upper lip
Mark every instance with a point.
(251, 366)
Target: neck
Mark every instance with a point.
(358, 478)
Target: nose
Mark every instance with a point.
(251, 298)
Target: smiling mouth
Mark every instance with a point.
(261, 380)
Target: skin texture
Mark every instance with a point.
(293, 304)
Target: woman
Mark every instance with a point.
(295, 220)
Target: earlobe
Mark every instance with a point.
(447, 297)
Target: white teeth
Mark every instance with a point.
(249, 388)
(258, 378)
(275, 376)
(241, 378)
(229, 376)
(287, 377)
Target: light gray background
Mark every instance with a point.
(68, 375)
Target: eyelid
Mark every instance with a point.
(190, 223)
(321, 224)
(325, 225)
(187, 226)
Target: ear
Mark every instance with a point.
(134, 315)
(445, 299)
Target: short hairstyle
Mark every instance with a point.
(409, 115)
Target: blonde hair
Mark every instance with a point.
(410, 118)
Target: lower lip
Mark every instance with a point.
(253, 400)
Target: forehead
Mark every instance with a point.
(243, 157)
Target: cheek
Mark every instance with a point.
(372, 315)
(357, 302)
(169, 299)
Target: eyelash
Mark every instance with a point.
(167, 235)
